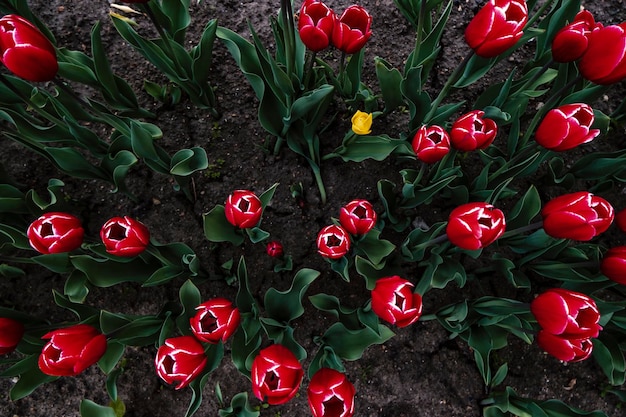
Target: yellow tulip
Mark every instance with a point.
(362, 123)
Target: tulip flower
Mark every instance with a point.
(11, 332)
(180, 360)
(620, 220)
(471, 131)
(333, 242)
(566, 313)
(71, 350)
(431, 144)
(567, 350)
(124, 236)
(330, 393)
(496, 27)
(274, 249)
(473, 226)
(604, 61)
(55, 232)
(25, 51)
(577, 216)
(352, 30)
(358, 217)
(243, 209)
(566, 127)
(315, 24)
(613, 264)
(215, 320)
(362, 123)
(570, 43)
(394, 301)
(276, 375)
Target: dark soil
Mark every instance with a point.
(419, 372)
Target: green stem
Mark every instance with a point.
(539, 13)
(454, 77)
(419, 34)
(523, 229)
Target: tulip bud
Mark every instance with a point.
(71, 350)
(362, 123)
(315, 24)
(570, 43)
(333, 242)
(613, 265)
(577, 216)
(243, 209)
(566, 313)
(496, 27)
(124, 236)
(473, 226)
(358, 217)
(215, 320)
(180, 360)
(431, 144)
(11, 332)
(55, 232)
(604, 61)
(276, 375)
(331, 390)
(394, 301)
(274, 249)
(566, 127)
(25, 51)
(352, 30)
(567, 350)
(471, 131)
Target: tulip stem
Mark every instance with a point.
(419, 35)
(447, 86)
(523, 229)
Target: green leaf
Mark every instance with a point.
(239, 407)
(350, 344)
(218, 229)
(29, 381)
(389, 80)
(111, 357)
(190, 298)
(187, 161)
(90, 409)
(285, 306)
(610, 357)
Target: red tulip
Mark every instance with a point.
(25, 51)
(124, 236)
(431, 144)
(613, 264)
(620, 219)
(496, 27)
(315, 24)
(566, 313)
(11, 332)
(394, 301)
(55, 232)
(570, 43)
(274, 249)
(71, 350)
(180, 360)
(473, 226)
(566, 127)
(331, 394)
(276, 375)
(604, 61)
(333, 242)
(577, 216)
(568, 350)
(471, 131)
(243, 209)
(352, 30)
(358, 217)
(215, 320)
